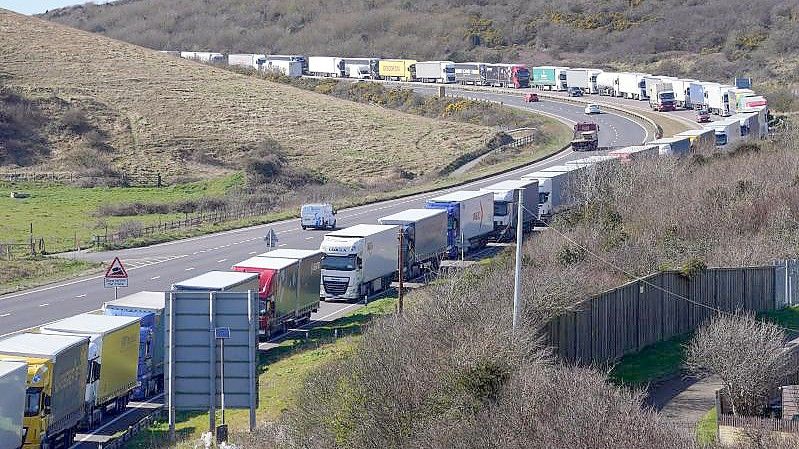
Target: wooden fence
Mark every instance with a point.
(217, 216)
(655, 308)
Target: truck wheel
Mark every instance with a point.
(304, 227)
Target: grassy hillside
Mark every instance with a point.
(662, 35)
(161, 113)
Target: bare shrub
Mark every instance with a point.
(130, 229)
(745, 353)
(76, 121)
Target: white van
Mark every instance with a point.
(318, 216)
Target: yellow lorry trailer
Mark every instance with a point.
(397, 69)
(55, 386)
(113, 360)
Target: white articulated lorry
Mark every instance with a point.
(359, 261)
(607, 83)
(249, 60)
(13, 374)
(718, 98)
(506, 204)
(326, 66)
(424, 241)
(470, 219)
(632, 85)
(435, 71)
(557, 188)
(727, 131)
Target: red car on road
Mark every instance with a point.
(531, 97)
(702, 116)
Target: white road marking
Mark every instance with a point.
(131, 408)
(44, 305)
(252, 252)
(189, 269)
(5, 315)
(155, 277)
(282, 244)
(309, 238)
(221, 260)
(81, 296)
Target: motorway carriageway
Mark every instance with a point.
(156, 267)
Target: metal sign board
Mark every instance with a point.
(271, 238)
(116, 270)
(222, 333)
(115, 282)
(192, 380)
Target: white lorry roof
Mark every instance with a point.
(543, 175)
(510, 184)
(693, 132)
(632, 149)
(265, 262)
(286, 253)
(87, 323)
(9, 366)
(412, 215)
(590, 160)
(141, 300)
(214, 280)
(461, 195)
(361, 230)
(38, 345)
(561, 168)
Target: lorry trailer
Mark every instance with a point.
(424, 241)
(204, 56)
(727, 131)
(12, 402)
(362, 68)
(291, 58)
(607, 83)
(293, 69)
(583, 79)
(149, 308)
(288, 287)
(635, 152)
(632, 85)
(699, 138)
(112, 360)
(248, 60)
(397, 69)
(557, 188)
(435, 72)
(550, 78)
(507, 75)
(219, 281)
(326, 66)
(55, 386)
(470, 221)
(506, 205)
(672, 146)
(470, 73)
(358, 261)
(718, 98)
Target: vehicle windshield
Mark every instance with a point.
(339, 263)
(721, 139)
(543, 197)
(500, 208)
(33, 398)
(667, 96)
(449, 69)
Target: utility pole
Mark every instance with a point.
(400, 269)
(517, 282)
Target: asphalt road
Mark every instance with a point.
(157, 267)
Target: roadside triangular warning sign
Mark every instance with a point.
(116, 270)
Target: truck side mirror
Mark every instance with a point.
(46, 404)
(360, 263)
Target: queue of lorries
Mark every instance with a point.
(73, 374)
(664, 93)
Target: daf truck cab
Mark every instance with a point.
(358, 261)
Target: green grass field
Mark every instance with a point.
(707, 428)
(282, 371)
(63, 214)
(24, 273)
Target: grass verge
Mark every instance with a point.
(707, 428)
(651, 363)
(281, 371)
(24, 273)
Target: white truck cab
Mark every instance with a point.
(318, 216)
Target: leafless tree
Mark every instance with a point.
(745, 353)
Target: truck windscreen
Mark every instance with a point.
(500, 208)
(338, 263)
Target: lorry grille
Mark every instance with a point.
(335, 287)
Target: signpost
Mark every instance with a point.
(222, 334)
(115, 276)
(271, 238)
